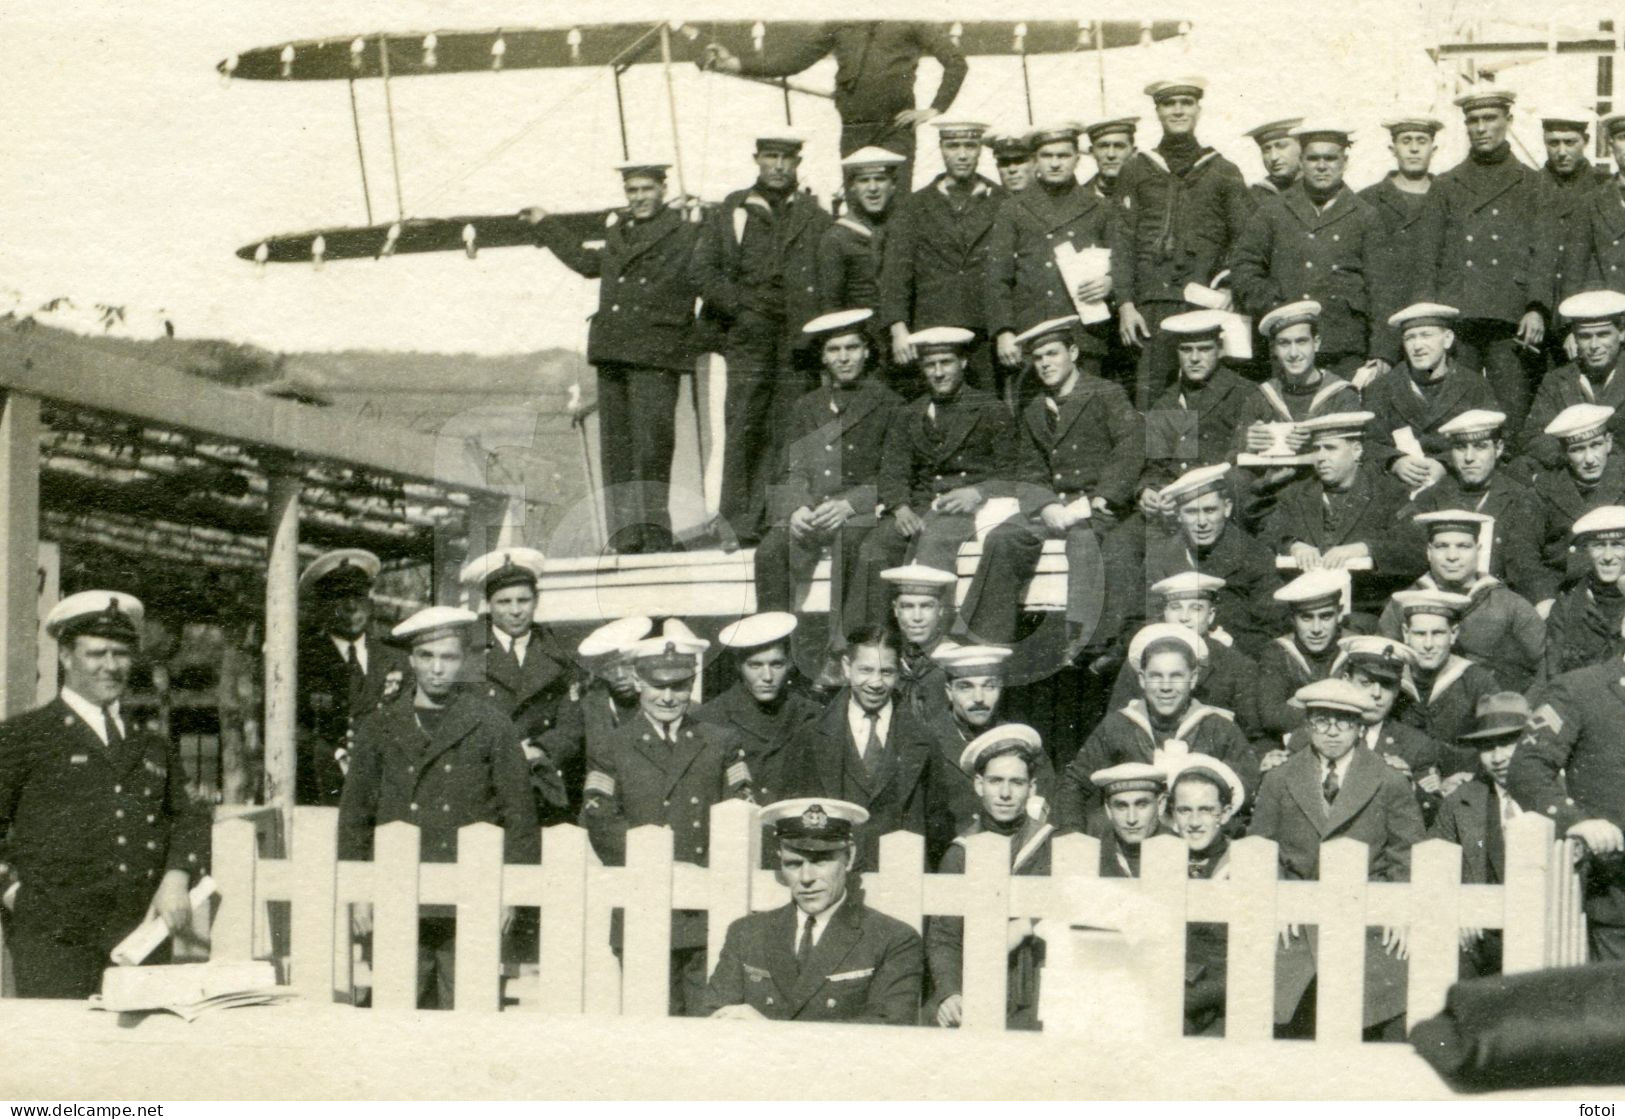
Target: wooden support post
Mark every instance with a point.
(1165, 881)
(234, 859)
(19, 559)
(395, 917)
(565, 858)
(281, 635)
(1524, 944)
(646, 955)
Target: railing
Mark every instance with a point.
(1537, 907)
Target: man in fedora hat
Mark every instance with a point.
(96, 823)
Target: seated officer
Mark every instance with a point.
(1226, 678)
(526, 672)
(1205, 540)
(1317, 603)
(1596, 322)
(1167, 722)
(948, 452)
(974, 684)
(1443, 688)
(1001, 765)
(824, 494)
(1345, 511)
(1134, 795)
(1326, 792)
(1083, 436)
(1498, 628)
(1194, 422)
(1204, 795)
(1589, 478)
(920, 612)
(1416, 398)
(1474, 480)
(1476, 815)
(1585, 623)
(447, 758)
(761, 709)
(825, 956)
(661, 767)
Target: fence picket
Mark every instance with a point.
(898, 888)
(233, 860)
(1164, 877)
(646, 957)
(313, 847)
(985, 898)
(736, 850)
(1341, 938)
(479, 917)
(1250, 891)
(563, 965)
(394, 916)
(1529, 848)
(1074, 856)
(1435, 926)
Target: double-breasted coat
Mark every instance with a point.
(1594, 242)
(1283, 667)
(753, 261)
(936, 256)
(764, 732)
(1392, 282)
(1179, 227)
(1197, 425)
(1560, 500)
(1397, 401)
(1559, 389)
(1094, 445)
(834, 439)
(1583, 627)
(1515, 551)
(1024, 283)
(1246, 605)
(331, 699)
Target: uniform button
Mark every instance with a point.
(829, 1002)
(665, 804)
(826, 474)
(121, 841)
(152, 819)
(491, 692)
(770, 1000)
(1497, 237)
(699, 850)
(118, 788)
(448, 767)
(696, 823)
(829, 446)
(1337, 237)
(614, 306)
(1469, 264)
(411, 769)
(122, 869)
(1308, 264)
(413, 806)
(1047, 292)
(1469, 236)
(445, 808)
(119, 814)
(1311, 237)
(693, 800)
(1495, 213)
(150, 873)
(1494, 262)
(152, 845)
(146, 792)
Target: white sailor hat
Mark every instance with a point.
(111, 614)
(1272, 130)
(1443, 603)
(647, 169)
(1412, 122)
(505, 567)
(813, 823)
(1108, 125)
(1579, 422)
(1566, 118)
(615, 638)
(1056, 131)
(1188, 584)
(1447, 520)
(1593, 306)
(341, 572)
(432, 623)
(1203, 323)
(1485, 98)
(836, 323)
(916, 578)
(1289, 314)
(1194, 483)
(1606, 522)
(1424, 314)
(1129, 777)
(954, 338)
(780, 140)
(1062, 328)
(1206, 763)
(758, 630)
(1347, 425)
(1018, 736)
(1170, 87)
(872, 158)
(1374, 655)
(1611, 123)
(959, 128)
(1158, 632)
(1475, 423)
(1310, 131)
(1331, 694)
(971, 660)
(1313, 589)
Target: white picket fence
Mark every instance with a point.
(1537, 907)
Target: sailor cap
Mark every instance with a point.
(758, 630)
(1158, 632)
(505, 567)
(1313, 589)
(1018, 735)
(1579, 422)
(1289, 314)
(1194, 483)
(916, 578)
(432, 623)
(615, 638)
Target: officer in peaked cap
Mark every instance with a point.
(640, 339)
(97, 829)
(1398, 199)
(1379, 666)
(525, 669)
(825, 956)
(1279, 151)
(1584, 625)
(663, 767)
(346, 668)
(1595, 321)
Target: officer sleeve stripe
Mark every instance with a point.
(600, 782)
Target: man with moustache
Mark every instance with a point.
(1308, 653)
(852, 248)
(1596, 322)
(1134, 796)
(1183, 205)
(1001, 766)
(1281, 154)
(1590, 478)
(1397, 199)
(1586, 621)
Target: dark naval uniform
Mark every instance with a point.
(945, 936)
(1483, 245)
(1024, 284)
(1584, 627)
(1569, 767)
(1470, 818)
(90, 830)
(1499, 629)
(951, 737)
(642, 337)
(764, 731)
(1398, 400)
(867, 967)
(1283, 667)
(1197, 425)
(1182, 213)
(834, 439)
(1229, 680)
(1560, 500)
(531, 694)
(1594, 243)
(333, 695)
(1566, 196)
(922, 682)
(1448, 708)
(1247, 566)
(1292, 249)
(1393, 280)
(756, 266)
(849, 257)
(1559, 389)
(586, 718)
(1515, 554)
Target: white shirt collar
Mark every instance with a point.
(342, 644)
(1341, 765)
(91, 714)
(660, 729)
(820, 923)
(858, 720)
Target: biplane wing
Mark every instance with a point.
(469, 233)
(406, 54)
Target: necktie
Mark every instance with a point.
(1052, 415)
(804, 946)
(517, 652)
(114, 738)
(358, 675)
(1329, 787)
(874, 747)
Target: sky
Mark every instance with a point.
(134, 173)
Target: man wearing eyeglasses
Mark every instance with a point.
(1331, 791)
